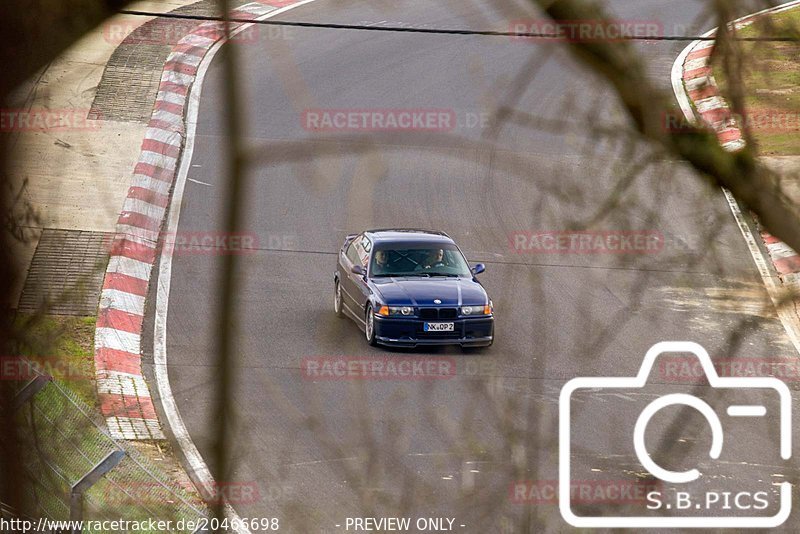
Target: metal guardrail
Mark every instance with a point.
(77, 471)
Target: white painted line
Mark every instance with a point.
(186, 59)
(733, 146)
(163, 136)
(146, 182)
(781, 8)
(710, 103)
(792, 281)
(135, 268)
(135, 233)
(105, 373)
(747, 411)
(136, 205)
(700, 82)
(676, 77)
(111, 338)
(134, 428)
(790, 323)
(197, 40)
(256, 9)
(174, 420)
(171, 97)
(694, 64)
(167, 116)
(120, 300)
(199, 182)
(159, 160)
(176, 77)
(780, 250)
(705, 44)
(138, 240)
(123, 384)
(788, 319)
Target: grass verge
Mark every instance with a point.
(771, 79)
(63, 346)
(62, 432)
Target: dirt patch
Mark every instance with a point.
(160, 453)
(748, 299)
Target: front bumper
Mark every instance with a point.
(402, 332)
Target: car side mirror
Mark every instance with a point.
(357, 269)
(478, 268)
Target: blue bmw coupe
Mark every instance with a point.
(412, 287)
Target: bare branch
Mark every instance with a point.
(647, 106)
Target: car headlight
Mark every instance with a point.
(405, 311)
(483, 309)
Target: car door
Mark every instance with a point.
(362, 291)
(352, 283)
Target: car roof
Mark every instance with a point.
(388, 235)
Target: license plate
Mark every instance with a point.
(439, 327)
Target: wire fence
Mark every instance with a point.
(66, 442)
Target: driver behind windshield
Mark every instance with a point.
(434, 259)
(381, 262)
(418, 262)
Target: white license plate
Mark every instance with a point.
(439, 327)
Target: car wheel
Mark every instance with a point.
(337, 298)
(369, 326)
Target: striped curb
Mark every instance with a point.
(123, 394)
(702, 90)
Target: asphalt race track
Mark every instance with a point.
(322, 451)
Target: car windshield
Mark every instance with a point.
(422, 261)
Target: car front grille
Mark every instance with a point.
(447, 313)
(429, 314)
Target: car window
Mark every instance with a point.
(363, 246)
(366, 244)
(351, 252)
(439, 260)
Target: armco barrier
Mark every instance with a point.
(77, 471)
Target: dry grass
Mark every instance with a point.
(63, 347)
(771, 78)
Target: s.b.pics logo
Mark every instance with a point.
(699, 444)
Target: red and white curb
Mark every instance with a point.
(124, 396)
(196, 467)
(692, 76)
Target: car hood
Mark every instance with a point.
(423, 291)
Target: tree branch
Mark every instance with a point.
(749, 181)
